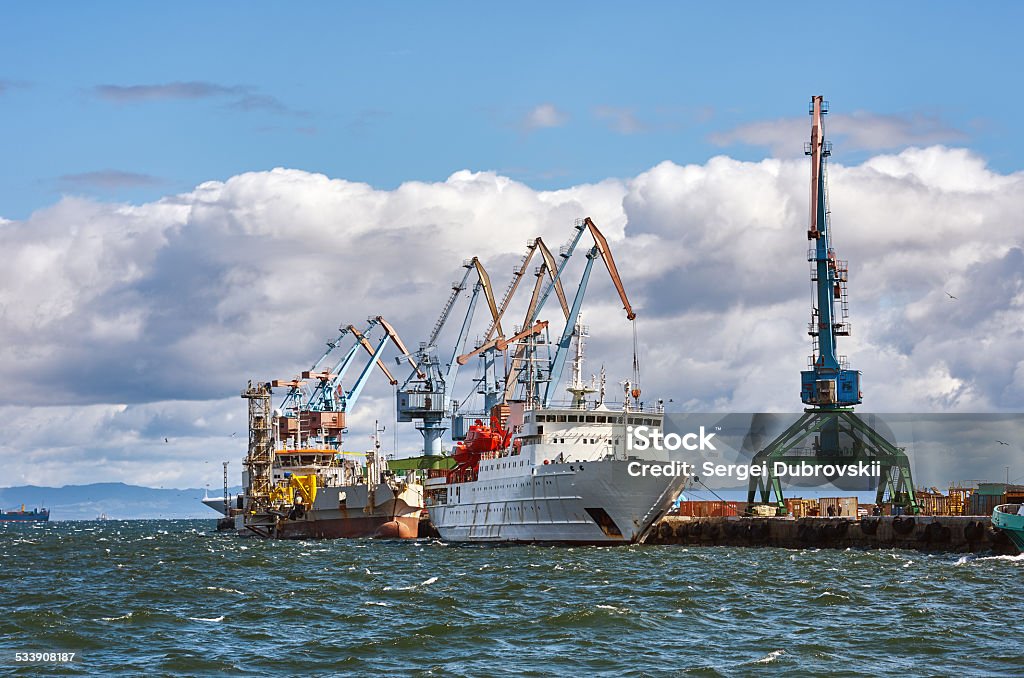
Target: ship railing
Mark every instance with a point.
(657, 408)
(1012, 509)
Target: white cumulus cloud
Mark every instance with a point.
(124, 325)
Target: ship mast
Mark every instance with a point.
(577, 388)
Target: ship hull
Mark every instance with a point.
(595, 502)
(26, 517)
(1006, 518)
(345, 513)
(352, 527)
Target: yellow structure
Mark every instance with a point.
(306, 487)
(958, 498)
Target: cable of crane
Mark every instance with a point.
(636, 364)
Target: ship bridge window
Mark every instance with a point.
(561, 417)
(618, 420)
(590, 419)
(540, 429)
(572, 418)
(602, 420)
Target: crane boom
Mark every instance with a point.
(369, 349)
(517, 359)
(491, 341)
(601, 249)
(502, 344)
(393, 333)
(453, 365)
(353, 395)
(450, 303)
(485, 283)
(609, 262)
(549, 265)
(323, 397)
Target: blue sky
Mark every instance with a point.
(385, 93)
(155, 260)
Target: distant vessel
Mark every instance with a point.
(219, 505)
(40, 515)
(1010, 519)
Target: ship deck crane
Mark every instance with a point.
(324, 397)
(601, 250)
(829, 432)
(491, 344)
(296, 396)
(323, 413)
(548, 268)
(326, 394)
(424, 395)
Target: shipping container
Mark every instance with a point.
(708, 509)
(840, 506)
(982, 504)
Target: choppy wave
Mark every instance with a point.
(220, 605)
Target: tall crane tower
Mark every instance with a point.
(829, 384)
(829, 432)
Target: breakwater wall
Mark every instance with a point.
(953, 534)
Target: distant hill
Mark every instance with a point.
(116, 500)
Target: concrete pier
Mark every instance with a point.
(952, 534)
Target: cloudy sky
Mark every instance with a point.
(194, 196)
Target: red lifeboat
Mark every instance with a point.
(480, 439)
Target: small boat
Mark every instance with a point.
(1010, 519)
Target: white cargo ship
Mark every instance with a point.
(555, 474)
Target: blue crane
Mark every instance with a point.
(829, 433)
(424, 395)
(828, 384)
(296, 396)
(326, 396)
(323, 412)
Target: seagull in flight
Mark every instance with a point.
(950, 295)
(1002, 443)
(166, 440)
